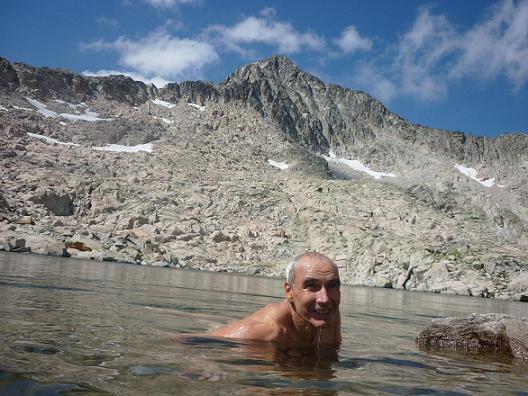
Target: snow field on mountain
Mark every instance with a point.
(356, 165)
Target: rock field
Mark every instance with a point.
(243, 175)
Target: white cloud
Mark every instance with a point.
(351, 41)
(156, 80)
(415, 65)
(169, 3)
(160, 55)
(422, 52)
(433, 53)
(264, 29)
(496, 46)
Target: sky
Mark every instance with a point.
(449, 64)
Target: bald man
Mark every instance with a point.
(308, 316)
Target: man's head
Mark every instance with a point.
(313, 288)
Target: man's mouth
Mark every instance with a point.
(321, 312)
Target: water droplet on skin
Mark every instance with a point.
(318, 339)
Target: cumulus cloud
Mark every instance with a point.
(433, 53)
(159, 82)
(169, 3)
(264, 29)
(351, 41)
(160, 54)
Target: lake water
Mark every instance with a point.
(93, 328)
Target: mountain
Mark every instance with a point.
(245, 174)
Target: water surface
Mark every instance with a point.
(72, 327)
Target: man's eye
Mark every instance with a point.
(312, 286)
(334, 285)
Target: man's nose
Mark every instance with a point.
(322, 296)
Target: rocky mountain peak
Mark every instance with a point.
(278, 67)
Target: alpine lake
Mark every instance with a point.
(74, 327)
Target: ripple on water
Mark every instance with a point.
(151, 370)
(194, 340)
(18, 384)
(35, 348)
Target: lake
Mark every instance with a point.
(92, 328)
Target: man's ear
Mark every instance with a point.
(288, 292)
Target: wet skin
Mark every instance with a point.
(309, 315)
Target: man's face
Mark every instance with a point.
(316, 293)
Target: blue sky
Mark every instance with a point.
(457, 65)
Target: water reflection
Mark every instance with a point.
(266, 366)
(90, 328)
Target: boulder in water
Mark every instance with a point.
(492, 334)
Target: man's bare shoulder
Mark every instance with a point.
(266, 324)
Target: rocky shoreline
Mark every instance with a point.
(244, 175)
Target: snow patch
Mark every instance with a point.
(88, 115)
(279, 165)
(357, 165)
(196, 106)
(118, 148)
(42, 108)
(109, 147)
(21, 108)
(3, 108)
(47, 139)
(160, 102)
(472, 174)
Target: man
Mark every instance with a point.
(308, 316)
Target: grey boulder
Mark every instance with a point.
(478, 334)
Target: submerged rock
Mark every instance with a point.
(493, 334)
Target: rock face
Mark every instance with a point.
(483, 334)
(57, 202)
(245, 174)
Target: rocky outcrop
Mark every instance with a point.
(122, 89)
(58, 202)
(197, 92)
(478, 334)
(52, 83)
(5, 209)
(8, 77)
(65, 85)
